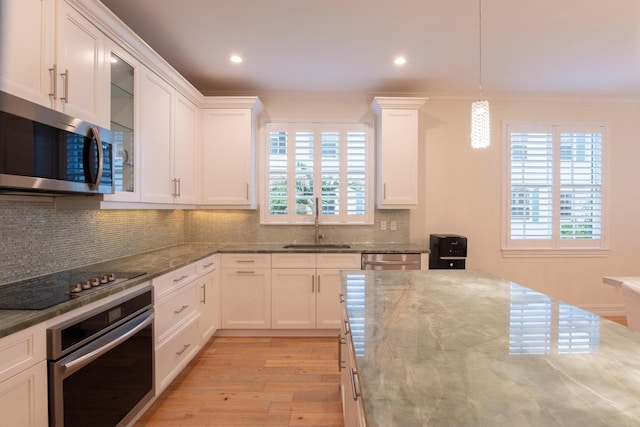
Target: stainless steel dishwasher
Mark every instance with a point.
(395, 261)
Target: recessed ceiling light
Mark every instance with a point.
(400, 60)
(236, 59)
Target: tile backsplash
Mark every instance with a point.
(237, 226)
(37, 239)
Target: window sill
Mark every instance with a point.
(555, 253)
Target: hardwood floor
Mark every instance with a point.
(254, 382)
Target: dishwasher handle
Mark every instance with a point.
(367, 262)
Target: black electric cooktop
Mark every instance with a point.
(47, 291)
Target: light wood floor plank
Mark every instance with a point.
(254, 381)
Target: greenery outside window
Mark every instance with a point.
(554, 192)
(330, 162)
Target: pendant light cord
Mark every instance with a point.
(480, 46)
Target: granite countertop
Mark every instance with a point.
(465, 348)
(618, 280)
(162, 261)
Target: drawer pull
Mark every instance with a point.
(355, 385)
(181, 309)
(341, 298)
(209, 265)
(181, 278)
(245, 272)
(246, 261)
(184, 348)
(204, 294)
(345, 327)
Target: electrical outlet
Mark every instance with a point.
(393, 225)
(383, 225)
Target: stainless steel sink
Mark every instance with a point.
(314, 246)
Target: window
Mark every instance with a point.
(327, 162)
(554, 192)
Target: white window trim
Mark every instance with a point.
(367, 219)
(553, 248)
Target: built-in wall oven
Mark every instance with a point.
(101, 363)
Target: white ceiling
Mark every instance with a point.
(540, 47)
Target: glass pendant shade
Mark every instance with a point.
(480, 124)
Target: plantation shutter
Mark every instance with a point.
(531, 185)
(555, 185)
(325, 161)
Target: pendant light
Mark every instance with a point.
(480, 124)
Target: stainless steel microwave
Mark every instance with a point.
(45, 151)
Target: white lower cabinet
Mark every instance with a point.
(209, 306)
(306, 289)
(23, 378)
(245, 291)
(173, 354)
(352, 404)
(293, 298)
(186, 309)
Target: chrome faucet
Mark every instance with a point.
(317, 224)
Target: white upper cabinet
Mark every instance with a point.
(185, 164)
(397, 159)
(54, 56)
(156, 97)
(229, 148)
(27, 48)
(124, 79)
(168, 141)
(81, 88)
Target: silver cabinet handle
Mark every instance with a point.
(384, 191)
(179, 188)
(355, 385)
(318, 284)
(174, 189)
(341, 298)
(65, 98)
(54, 83)
(247, 192)
(245, 272)
(313, 280)
(184, 348)
(341, 363)
(181, 278)
(181, 309)
(346, 328)
(96, 135)
(209, 265)
(246, 261)
(204, 294)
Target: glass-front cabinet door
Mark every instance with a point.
(123, 71)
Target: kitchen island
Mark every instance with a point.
(466, 348)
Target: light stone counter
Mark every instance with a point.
(465, 348)
(618, 280)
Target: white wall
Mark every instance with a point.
(461, 192)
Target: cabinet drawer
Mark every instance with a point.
(206, 265)
(175, 353)
(286, 260)
(172, 310)
(343, 261)
(169, 281)
(22, 350)
(246, 260)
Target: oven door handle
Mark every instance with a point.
(75, 364)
